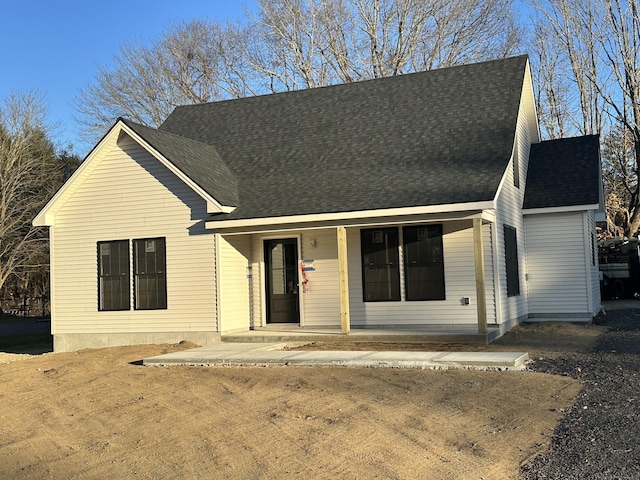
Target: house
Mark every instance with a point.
(425, 200)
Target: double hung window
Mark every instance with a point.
(149, 270)
(113, 275)
(380, 264)
(149, 274)
(423, 263)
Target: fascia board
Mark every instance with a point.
(568, 208)
(528, 100)
(504, 177)
(348, 216)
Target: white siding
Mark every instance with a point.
(321, 303)
(235, 310)
(557, 251)
(130, 195)
(509, 212)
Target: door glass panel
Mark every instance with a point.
(278, 272)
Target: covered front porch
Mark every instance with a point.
(339, 287)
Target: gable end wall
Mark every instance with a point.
(130, 195)
(509, 212)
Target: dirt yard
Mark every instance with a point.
(98, 414)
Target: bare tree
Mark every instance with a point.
(27, 180)
(310, 43)
(567, 49)
(620, 39)
(599, 42)
(293, 44)
(552, 84)
(619, 178)
(194, 62)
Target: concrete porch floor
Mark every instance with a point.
(429, 334)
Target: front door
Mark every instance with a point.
(281, 265)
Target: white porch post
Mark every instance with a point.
(343, 274)
(478, 254)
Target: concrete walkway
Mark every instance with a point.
(252, 354)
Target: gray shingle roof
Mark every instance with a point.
(199, 161)
(430, 138)
(564, 172)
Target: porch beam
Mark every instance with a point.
(343, 274)
(478, 255)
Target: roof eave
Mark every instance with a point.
(283, 221)
(561, 209)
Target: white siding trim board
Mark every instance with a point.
(587, 260)
(568, 208)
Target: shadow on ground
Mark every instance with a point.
(597, 438)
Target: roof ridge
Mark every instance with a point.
(356, 82)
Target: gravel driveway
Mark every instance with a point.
(599, 437)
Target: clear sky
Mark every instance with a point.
(54, 47)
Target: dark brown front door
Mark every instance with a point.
(281, 265)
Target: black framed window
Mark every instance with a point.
(113, 275)
(380, 264)
(511, 254)
(150, 273)
(423, 262)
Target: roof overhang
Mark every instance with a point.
(565, 209)
(213, 206)
(435, 213)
